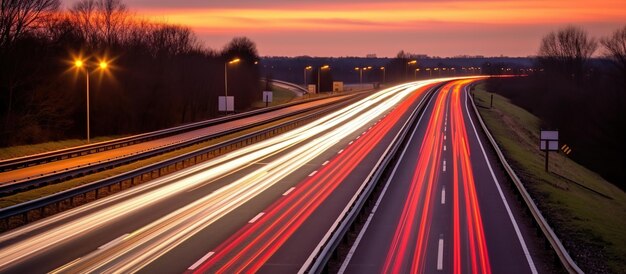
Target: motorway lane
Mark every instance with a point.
(24, 173)
(281, 239)
(442, 210)
(139, 211)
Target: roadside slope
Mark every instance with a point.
(587, 212)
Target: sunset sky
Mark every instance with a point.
(356, 28)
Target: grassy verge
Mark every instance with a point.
(280, 96)
(51, 189)
(587, 212)
(19, 151)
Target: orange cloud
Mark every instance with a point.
(392, 15)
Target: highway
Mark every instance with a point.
(8, 177)
(264, 207)
(443, 209)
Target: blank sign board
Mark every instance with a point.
(552, 145)
(549, 135)
(268, 96)
(226, 103)
(549, 140)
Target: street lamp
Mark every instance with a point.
(384, 72)
(430, 72)
(406, 67)
(234, 61)
(360, 70)
(416, 71)
(80, 64)
(319, 71)
(305, 69)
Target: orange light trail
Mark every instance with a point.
(425, 174)
(479, 258)
(413, 233)
(248, 249)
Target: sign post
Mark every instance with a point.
(549, 141)
(226, 103)
(267, 97)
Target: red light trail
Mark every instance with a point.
(249, 248)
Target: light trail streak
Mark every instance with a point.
(408, 248)
(160, 236)
(479, 258)
(425, 175)
(252, 246)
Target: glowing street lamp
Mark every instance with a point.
(406, 68)
(234, 61)
(360, 70)
(416, 71)
(80, 64)
(430, 72)
(384, 72)
(319, 71)
(305, 69)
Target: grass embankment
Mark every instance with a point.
(55, 188)
(19, 151)
(588, 213)
(280, 96)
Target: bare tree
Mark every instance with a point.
(101, 21)
(615, 49)
(567, 50)
(20, 16)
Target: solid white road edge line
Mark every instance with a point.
(531, 264)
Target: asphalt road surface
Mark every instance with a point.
(264, 207)
(443, 209)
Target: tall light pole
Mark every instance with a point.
(234, 61)
(406, 68)
(416, 71)
(319, 71)
(430, 72)
(384, 72)
(80, 64)
(360, 70)
(305, 69)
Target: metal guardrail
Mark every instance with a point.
(20, 214)
(77, 171)
(46, 157)
(556, 244)
(295, 86)
(345, 221)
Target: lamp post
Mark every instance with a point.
(80, 64)
(406, 68)
(384, 72)
(305, 69)
(319, 71)
(360, 70)
(416, 71)
(430, 72)
(234, 61)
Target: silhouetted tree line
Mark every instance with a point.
(160, 76)
(583, 97)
